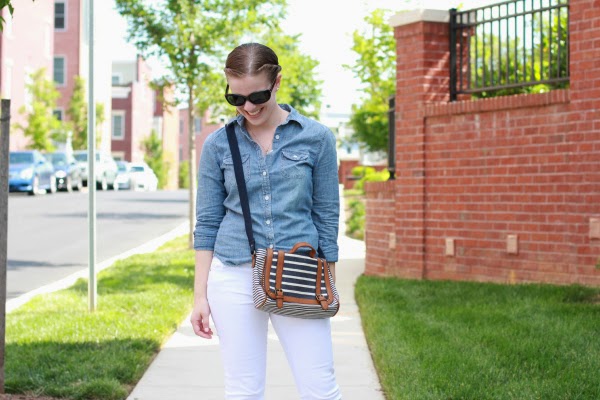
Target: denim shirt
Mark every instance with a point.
(293, 191)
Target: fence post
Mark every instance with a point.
(392, 137)
(452, 35)
(4, 161)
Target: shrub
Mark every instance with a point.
(184, 170)
(355, 224)
(369, 174)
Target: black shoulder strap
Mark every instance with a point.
(241, 183)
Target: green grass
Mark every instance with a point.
(55, 347)
(476, 341)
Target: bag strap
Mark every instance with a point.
(241, 183)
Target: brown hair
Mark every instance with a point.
(251, 59)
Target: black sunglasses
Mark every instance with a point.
(255, 98)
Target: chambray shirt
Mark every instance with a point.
(293, 191)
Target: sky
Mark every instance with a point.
(326, 28)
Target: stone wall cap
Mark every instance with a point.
(419, 15)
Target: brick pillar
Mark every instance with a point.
(422, 44)
(584, 140)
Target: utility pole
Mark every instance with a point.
(92, 286)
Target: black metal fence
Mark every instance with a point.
(511, 47)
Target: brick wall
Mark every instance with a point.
(477, 173)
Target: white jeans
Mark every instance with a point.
(242, 332)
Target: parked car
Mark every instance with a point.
(123, 180)
(66, 170)
(105, 169)
(29, 171)
(143, 177)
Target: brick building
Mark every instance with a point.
(26, 45)
(71, 57)
(504, 189)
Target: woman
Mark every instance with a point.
(290, 168)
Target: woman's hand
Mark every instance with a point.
(200, 319)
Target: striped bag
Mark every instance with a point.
(292, 284)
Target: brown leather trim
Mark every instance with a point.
(267, 272)
(279, 276)
(279, 279)
(298, 245)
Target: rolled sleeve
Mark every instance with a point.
(209, 199)
(326, 198)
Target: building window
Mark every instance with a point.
(118, 125)
(59, 70)
(197, 124)
(60, 15)
(181, 126)
(58, 114)
(116, 79)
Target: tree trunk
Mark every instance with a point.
(4, 161)
(192, 169)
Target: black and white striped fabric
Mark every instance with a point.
(297, 291)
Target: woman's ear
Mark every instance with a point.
(277, 82)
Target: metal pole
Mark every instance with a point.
(92, 287)
(4, 161)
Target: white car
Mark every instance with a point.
(142, 177)
(105, 169)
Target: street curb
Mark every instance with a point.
(68, 281)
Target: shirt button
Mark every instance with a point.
(271, 246)
(268, 222)
(264, 173)
(267, 197)
(276, 136)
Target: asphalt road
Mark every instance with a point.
(48, 234)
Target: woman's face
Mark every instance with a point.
(256, 114)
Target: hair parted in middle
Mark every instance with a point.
(250, 59)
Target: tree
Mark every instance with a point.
(376, 69)
(78, 116)
(153, 156)
(42, 126)
(299, 87)
(11, 9)
(192, 37)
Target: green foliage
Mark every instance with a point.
(153, 156)
(514, 62)
(468, 340)
(183, 180)
(369, 174)
(76, 354)
(355, 224)
(376, 70)
(11, 9)
(77, 111)
(299, 87)
(41, 125)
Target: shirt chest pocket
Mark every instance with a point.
(295, 164)
(229, 172)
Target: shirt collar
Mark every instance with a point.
(293, 115)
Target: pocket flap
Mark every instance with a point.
(294, 155)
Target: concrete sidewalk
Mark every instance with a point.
(190, 368)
